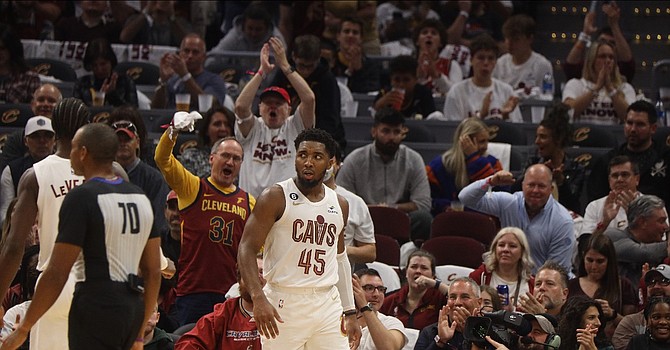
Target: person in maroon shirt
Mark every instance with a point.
(417, 304)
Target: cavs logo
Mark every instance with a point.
(10, 116)
(134, 72)
(3, 139)
(101, 117)
(42, 68)
(581, 134)
(493, 131)
(186, 145)
(584, 159)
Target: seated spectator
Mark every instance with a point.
(436, 72)
(583, 325)
(392, 11)
(230, 326)
(337, 11)
(598, 278)
(642, 241)
(42, 104)
(184, 73)
(657, 281)
(40, 140)
(610, 211)
(543, 331)
(154, 337)
(308, 63)
(404, 185)
(418, 302)
(482, 96)
(601, 96)
(521, 67)
(467, 20)
(156, 25)
(508, 263)
(100, 59)
(218, 122)
(447, 332)
(550, 292)
(251, 31)
(612, 33)
(379, 331)
(490, 299)
(130, 114)
(656, 313)
(350, 62)
(552, 137)
(464, 162)
(406, 95)
(17, 81)
(91, 24)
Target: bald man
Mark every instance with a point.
(45, 98)
(184, 73)
(547, 224)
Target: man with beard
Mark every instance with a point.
(547, 224)
(657, 281)
(652, 158)
(213, 212)
(230, 326)
(550, 293)
(267, 140)
(386, 173)
(299, 223)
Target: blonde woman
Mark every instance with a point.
(507, 262)
(464, 162)
(601, 96)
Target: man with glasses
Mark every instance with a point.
(657, 281)
(610, 211)
(651, 157)
(213, 212)
(379, 331)
(642, 241)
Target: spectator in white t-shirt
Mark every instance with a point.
(482, 96)
(521, 67)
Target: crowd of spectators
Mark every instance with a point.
(596, 278)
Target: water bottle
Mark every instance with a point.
(548, 85)
(660, 110)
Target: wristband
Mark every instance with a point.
(464, 14)
(186, 77)
(260, 72)
(139, 340)
(585, 38)
(600, 226)
(290, 70)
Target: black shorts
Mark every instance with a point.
(104, 315)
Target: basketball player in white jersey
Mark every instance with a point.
(40, 193)
(300, 223)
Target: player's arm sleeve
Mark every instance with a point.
(179, 179)
(344, 285)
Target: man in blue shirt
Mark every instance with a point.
(547, 224)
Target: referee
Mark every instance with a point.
(105, 231)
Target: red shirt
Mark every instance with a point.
(228, 327)
(426, 312)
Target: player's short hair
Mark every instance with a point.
(100, 141)
(317, 135)
(68, 116)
